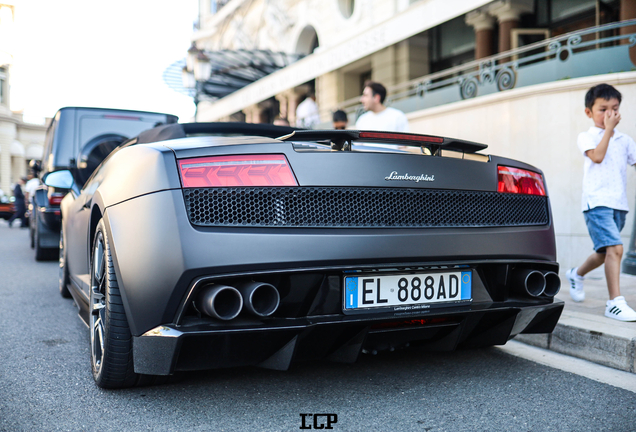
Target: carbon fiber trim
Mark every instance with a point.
(354, 207)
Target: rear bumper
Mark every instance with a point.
(157, 259)
(279, 343)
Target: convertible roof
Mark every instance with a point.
(338, 139)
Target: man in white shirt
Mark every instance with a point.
(307, 115)
(31, 186)
(378, 117)
(607, 153)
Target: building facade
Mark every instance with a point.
(20, 142)
(509, 73)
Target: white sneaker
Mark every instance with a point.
(619, 310)
(576, 285)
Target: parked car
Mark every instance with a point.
(78, 139)
(197, 246)
(7, 207)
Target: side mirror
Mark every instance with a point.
(59, 179)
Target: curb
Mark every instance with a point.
(591, 338)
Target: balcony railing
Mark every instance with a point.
(593, 51)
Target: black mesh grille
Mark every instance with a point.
(361, 207)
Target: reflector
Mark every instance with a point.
(55, 198)
(230, 171)
(519, 181)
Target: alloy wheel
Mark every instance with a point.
(98, 302)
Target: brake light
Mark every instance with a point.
(229, 171)
(401, 137)
(55, 198)
(519, 181)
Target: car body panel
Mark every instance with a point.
(163, 259)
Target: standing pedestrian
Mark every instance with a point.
(307, 115)
(20, 207)
(379, 117)
(340, 120)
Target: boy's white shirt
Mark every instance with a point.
(605, 184)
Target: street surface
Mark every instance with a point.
(46, 384)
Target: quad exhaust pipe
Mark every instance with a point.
(535, 283)
(225, 302)
(261, 299)
(219, 301)
(552, 284)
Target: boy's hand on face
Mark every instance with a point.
(612, 118)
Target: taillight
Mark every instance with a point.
(401, 137)
(229, 171)
(519, 181)
(55, 198)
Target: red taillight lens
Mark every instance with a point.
(55, 198)
(401, 137)
(519, 181)
(229, 171)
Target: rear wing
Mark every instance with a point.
(182, 130)
(343, 139)
(337, 139)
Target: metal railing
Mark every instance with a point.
(593, 51)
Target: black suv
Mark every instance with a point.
(78, 139)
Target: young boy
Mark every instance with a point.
(607, 152)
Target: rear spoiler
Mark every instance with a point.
(182, 130)
(342, 140)
(339, 139)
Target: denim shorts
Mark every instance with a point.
(604, 225)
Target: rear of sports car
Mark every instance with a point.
(271, 251)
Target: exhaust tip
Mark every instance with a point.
(220, 301)
(261, 299)
(552, 284)
(529, 281)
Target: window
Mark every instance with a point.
(364, 77)
(452, 43)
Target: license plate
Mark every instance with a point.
(407, 292)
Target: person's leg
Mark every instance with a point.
(592, 262)
(597, 220)
(23, 219)
(614, 254)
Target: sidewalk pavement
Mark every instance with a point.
(583, 330)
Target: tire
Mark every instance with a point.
(63, 273)
(110, 338)
(32, 234)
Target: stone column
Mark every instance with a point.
(282, 105)
(252, 114)
(484, 24)
(628, 11)
(508, 13)
(292, 104)
(7, 135)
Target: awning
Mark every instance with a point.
(231, 71)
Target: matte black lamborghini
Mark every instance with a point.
(198, 246)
